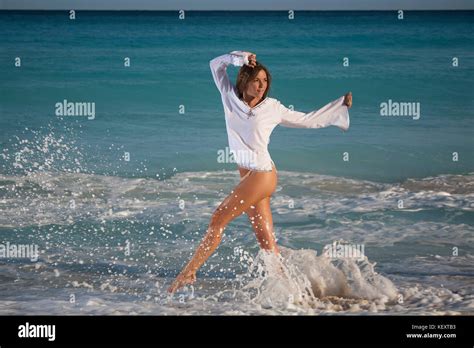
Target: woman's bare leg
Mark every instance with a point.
(260, 216)
(253, 187)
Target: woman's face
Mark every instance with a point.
(258, 86)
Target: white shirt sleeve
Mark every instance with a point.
(219, 68)
(333, 114)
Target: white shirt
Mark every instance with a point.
(249, 129)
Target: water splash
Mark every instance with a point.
(300, 279)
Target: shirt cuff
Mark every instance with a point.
(239, 58)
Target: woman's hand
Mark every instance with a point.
(252, 57)
(348, 100)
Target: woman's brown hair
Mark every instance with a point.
(247, 74)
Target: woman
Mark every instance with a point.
(250, 118)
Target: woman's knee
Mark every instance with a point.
(219, 220)
(269, 184)
(215, 232)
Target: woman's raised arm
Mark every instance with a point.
(219, 67)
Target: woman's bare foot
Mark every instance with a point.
(182, 280)
(348, 99)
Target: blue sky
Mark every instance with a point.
(237, 5)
